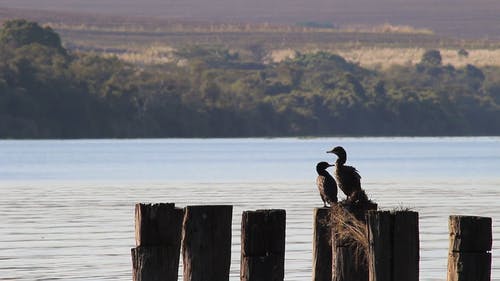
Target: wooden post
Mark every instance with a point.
(469, 256)
(348, 260)
(346, 265)
(380, 227)
(263, 245)
(206, 243)
(394, 246)
(406, 246)
(322, 249)
(158, 242)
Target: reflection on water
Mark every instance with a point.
(74, 224)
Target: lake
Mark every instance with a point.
(67, 206)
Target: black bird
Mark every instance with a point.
(347, 177)
(326, 184)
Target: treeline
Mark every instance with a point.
(49, 92)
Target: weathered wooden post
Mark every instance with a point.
(394, 246)
(469, 256)
(350, 241)
(406, 246)
(206, 243)
(158, 242)
(322, 249)
(263, 245)
(380, 227)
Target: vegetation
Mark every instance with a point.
(466, 19)
(351, 231)
(146, 40)
(49, 92)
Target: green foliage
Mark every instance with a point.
(213, 56)
(46, 93)
(314, 24)
(432, 57)
(463, 53)
(20, 32)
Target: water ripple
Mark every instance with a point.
(59, 233)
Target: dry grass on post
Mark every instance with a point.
(351, 231)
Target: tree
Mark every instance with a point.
(462, 53)
(432, 58)
(257, 51)
(48, 94)
(21, 32)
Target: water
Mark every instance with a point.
(67, 207)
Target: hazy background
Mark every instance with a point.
(220, 68)
(462, 18)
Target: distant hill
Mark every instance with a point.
(457, 18)
(47, 91)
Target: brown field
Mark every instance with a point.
(374, 58)
(146, 40)
(457, 18)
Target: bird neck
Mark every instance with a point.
(340, 161)
(322, 172)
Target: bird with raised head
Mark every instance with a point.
(347, 177)
(326, 184)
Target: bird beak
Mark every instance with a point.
(330, 151)
(331, 165)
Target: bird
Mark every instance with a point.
(347, 177)
(326, 184)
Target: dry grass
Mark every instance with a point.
(143, 41)
(352, 232)
(280, 55)
(401, 208)
(482, 15)
(373, 58)
(387, 57)
(387, 28)
(157, 54)
(193, 27)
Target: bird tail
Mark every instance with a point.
(359, 196)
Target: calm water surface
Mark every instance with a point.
(67, 207)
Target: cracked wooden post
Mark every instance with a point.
(406, 246)
(394, 252)
(206, 243)
(322, 248)
(469, 256)
(263, 245)
(380, 236)
(158, 242)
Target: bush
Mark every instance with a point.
(20, 32)
(431, 57)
